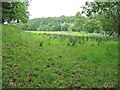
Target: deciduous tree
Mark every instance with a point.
(14, 11)
(109, 9)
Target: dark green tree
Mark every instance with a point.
(64, 27)
(92, 26)
(14, 11)
(109, 9)
(51, 23)
(79, 21)
(107, 24)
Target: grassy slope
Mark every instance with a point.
(27, 64)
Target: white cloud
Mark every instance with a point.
(46, 8)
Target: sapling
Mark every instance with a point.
(96, 39)
(79, 39)
(68, 44)
(99, 40)
(49, 41)
(40, 43)
(73, 42)
(87, 38)
(83, 39)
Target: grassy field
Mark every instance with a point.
(37, 60)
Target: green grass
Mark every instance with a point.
(32, 60)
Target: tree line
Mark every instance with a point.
(78, 23)
(100, 17)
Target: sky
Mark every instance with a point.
(51, 8)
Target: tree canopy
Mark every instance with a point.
(15, 11)
(109, 9)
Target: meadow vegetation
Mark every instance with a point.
(46, 60)
(79, 51)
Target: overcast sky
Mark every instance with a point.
(46, 8)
